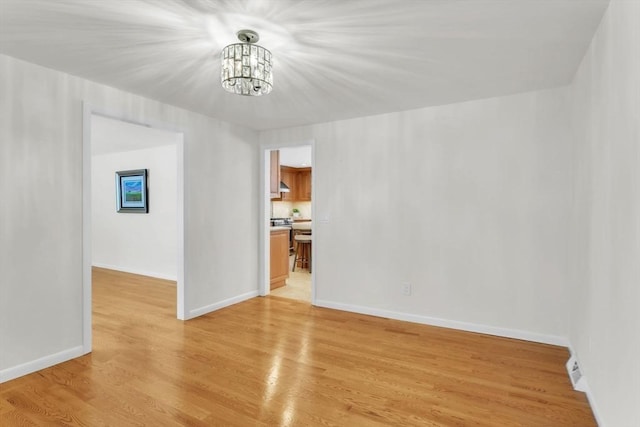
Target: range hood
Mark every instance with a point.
(284, 188)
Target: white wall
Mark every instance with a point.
(467, 202)
(41, 210)
(605, 218)
(137, 243)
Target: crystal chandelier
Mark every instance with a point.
(246, 67)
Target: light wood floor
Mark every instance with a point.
(298, 285)
(274, 361)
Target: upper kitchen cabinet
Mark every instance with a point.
(274, 178)
(295, 173)
(289, 177)
(299, 182)
(303, 185)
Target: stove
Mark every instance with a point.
(281, 222)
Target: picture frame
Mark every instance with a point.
(132, 193)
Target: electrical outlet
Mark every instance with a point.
(406, 289)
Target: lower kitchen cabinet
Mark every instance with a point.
(279, 266)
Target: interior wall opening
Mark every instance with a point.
(289, 218)
(118, 244)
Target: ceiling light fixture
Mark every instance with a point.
(246, 67)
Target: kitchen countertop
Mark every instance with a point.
(276, 228)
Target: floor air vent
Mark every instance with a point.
(577, 380)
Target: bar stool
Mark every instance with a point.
(301, 227)
(303, 251)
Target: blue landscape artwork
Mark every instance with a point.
(131, 187)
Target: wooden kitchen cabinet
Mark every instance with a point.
(279, 266)
(299, 182)
(274, 178)
(289, 176)
(303, 185)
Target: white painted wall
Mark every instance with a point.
(467, 202)
(137, 243)
(41, 209)
(605, 216)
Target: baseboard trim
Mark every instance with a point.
(222, 304)
(134, 271)
(592, 402)
(587, 390)
(453, 324)
(41, 363)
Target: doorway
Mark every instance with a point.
(288, 212)
(131, 242)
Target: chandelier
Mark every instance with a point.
(246, 67)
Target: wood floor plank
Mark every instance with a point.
(275, 361)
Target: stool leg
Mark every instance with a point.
(310, 250)
(295, 258)
(303, 255)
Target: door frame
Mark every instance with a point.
(89, 110)
(265, 215)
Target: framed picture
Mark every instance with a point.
(131, 191)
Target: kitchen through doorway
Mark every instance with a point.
(290, 222)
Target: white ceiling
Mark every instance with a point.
(296, 157)
(333, 59)
(115, 136)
